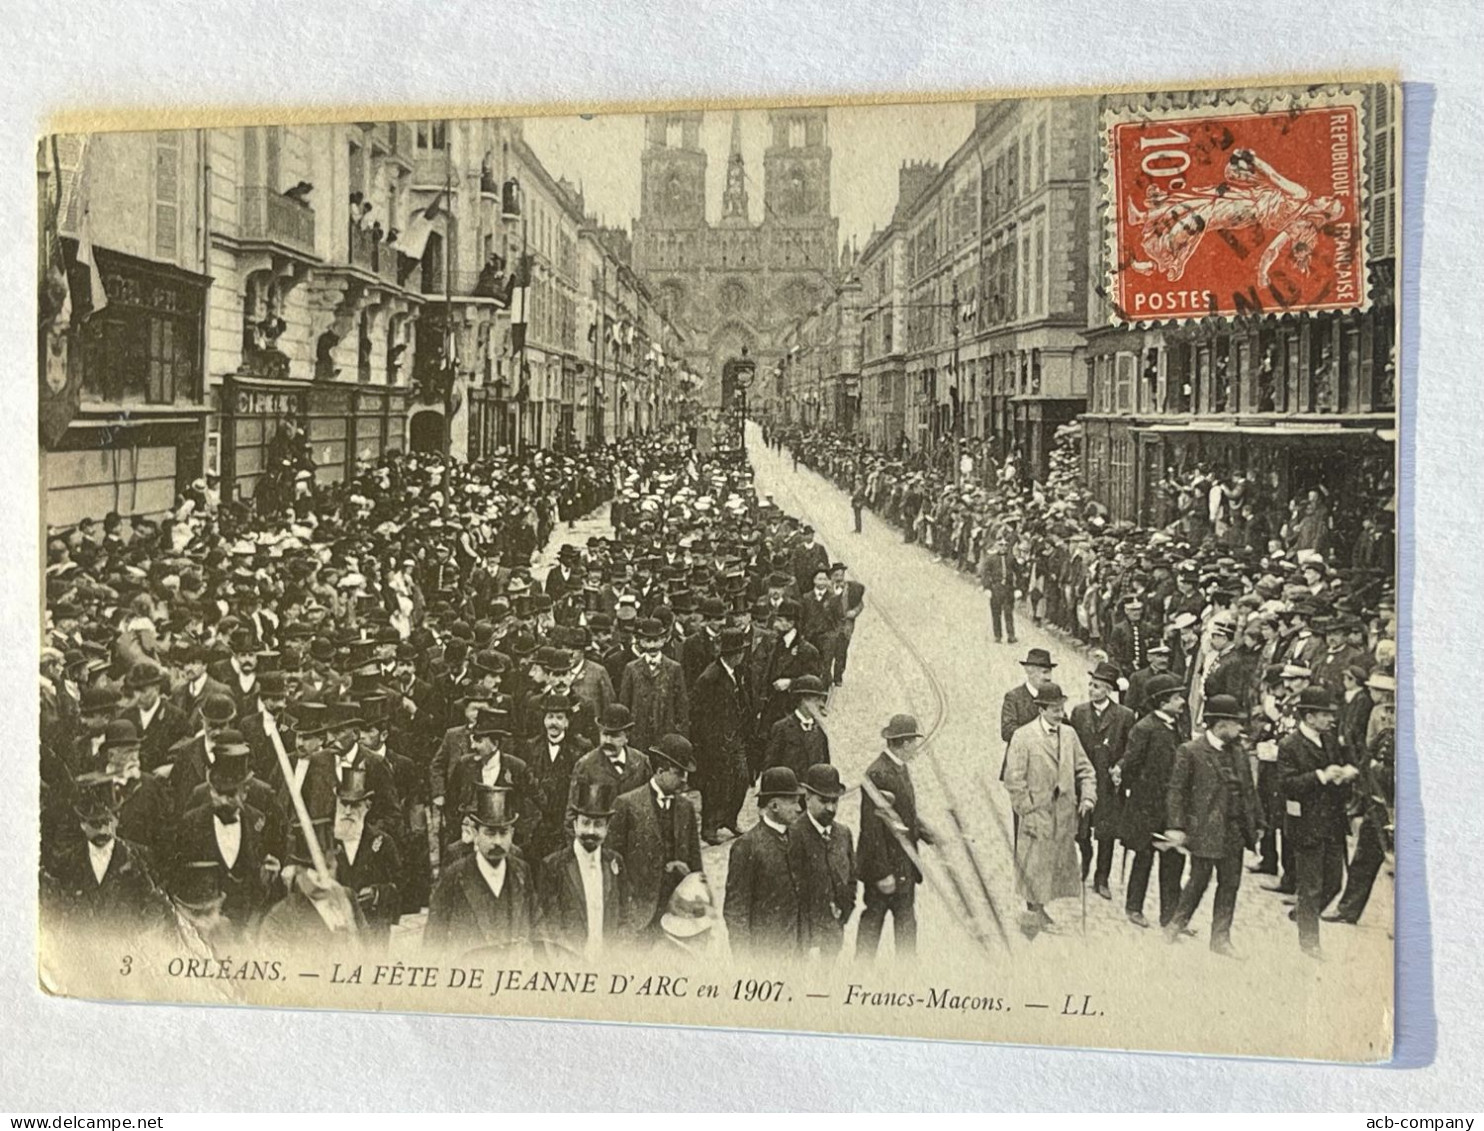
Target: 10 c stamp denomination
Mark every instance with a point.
(1238, 208)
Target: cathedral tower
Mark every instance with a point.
(673, 173)
(796, 168)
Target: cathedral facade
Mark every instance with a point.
(736, 285)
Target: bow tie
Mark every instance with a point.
(825, 832)
(232, 820)
(807, 725)
(616, 763)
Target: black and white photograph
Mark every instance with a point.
(904, 569)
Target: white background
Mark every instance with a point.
(61, 1056)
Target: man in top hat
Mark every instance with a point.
(551, 758)
(160, 723)
(797, 740)
(319, 915)
(258, 726)
(485, 898)
(761, 906)
(191, 757)
(1103, 726)
(822, 858)
(225, 828)
(487, 765)
(98, 880)
(723, 711)
(367, 860)
(196, 896)
(616, 758)
(653, 688)
(456, 744)
(1052, 784)
(1213, 817)
(1020, 703)
(1315, 780)
(1001, 575)
(654, 831)
(885, 866)
(1144, 775)
(311, 762)
(583, 887)
(360, 744)
(1128, 644)
(146, 814)
(785, 658)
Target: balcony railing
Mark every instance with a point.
(267, 214)
(369, 255)
(459, 283)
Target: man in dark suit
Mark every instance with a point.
(96, 880)
(797, 740)
(368, 863)
(160, 723)
(885, 868)
(653, 688)
(583, 889)
(723, 711)
(788, 656)
(1355, 713)
(1144, 775)
(239, 671)
(310, 763)
(654, 830)
(1315, 778)
(1103, 727)
(700, 648)
(613, 760)
(550, 759)
(822, 860)
(852, 598)
(196, 683)
(1213, 815)
(487, 766)
(821, 618)
(807, 559)
(190, 757)
(485, 898)
(231, 832)
(761, 906)
(1019, 705)
(1000, 574)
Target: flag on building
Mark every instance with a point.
(420, 226)
(70, 293)
(520, 303)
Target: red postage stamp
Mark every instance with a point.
(1233, 209)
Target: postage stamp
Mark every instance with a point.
(1243, 207)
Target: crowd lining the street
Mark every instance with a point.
(1238, 609)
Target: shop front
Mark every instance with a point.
(138, 438)
(346, 425)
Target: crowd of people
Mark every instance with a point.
(1232, 628)
(317, 717)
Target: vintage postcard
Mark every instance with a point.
(925, 570)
